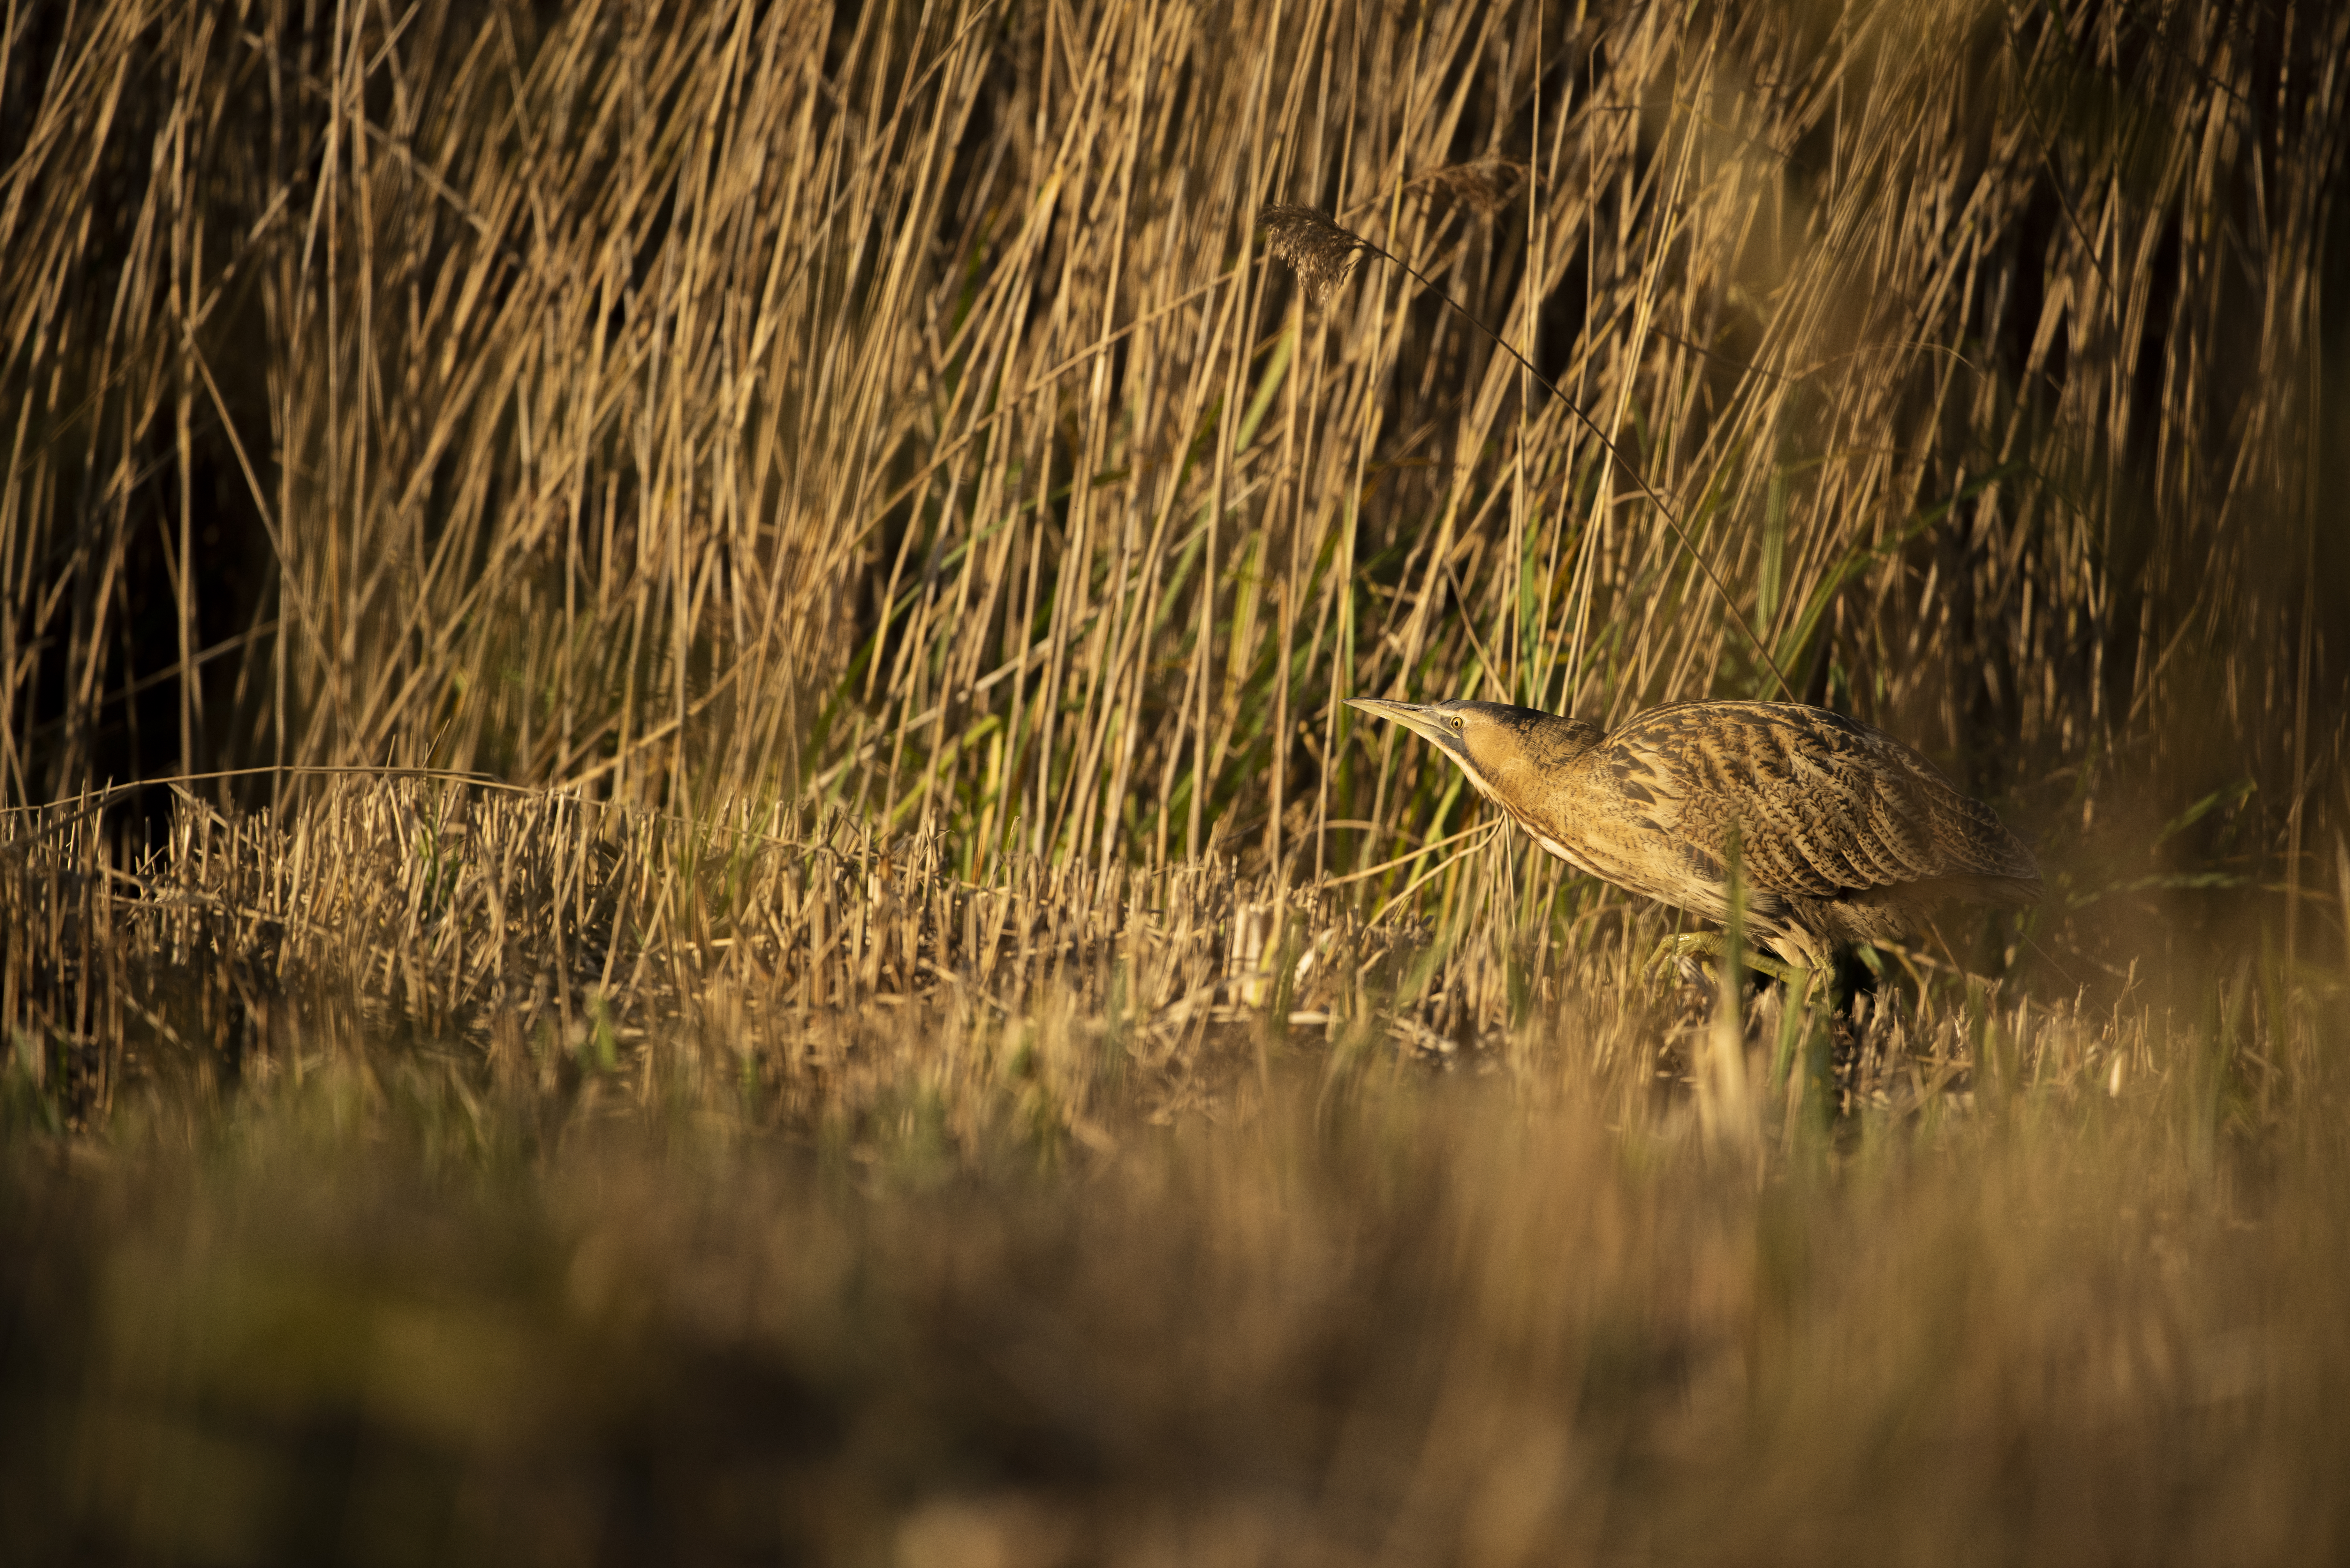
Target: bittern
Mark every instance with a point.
(1843, 834)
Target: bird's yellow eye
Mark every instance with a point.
(1456, 723)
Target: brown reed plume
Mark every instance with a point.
(1322, 252)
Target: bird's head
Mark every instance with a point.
(1495, 743)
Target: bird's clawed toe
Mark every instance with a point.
(1676, 957)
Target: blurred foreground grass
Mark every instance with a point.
(873, 1217)
(1413, 1321)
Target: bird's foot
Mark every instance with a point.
(1676, 957)
(1679, 955)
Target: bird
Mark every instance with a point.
(1841, 834)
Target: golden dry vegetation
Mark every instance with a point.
(684, 878)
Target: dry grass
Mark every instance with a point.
(855, 1213)
(771, 938)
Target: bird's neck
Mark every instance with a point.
(1534, 780)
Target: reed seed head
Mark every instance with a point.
(1321, 252)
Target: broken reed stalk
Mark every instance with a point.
(1322, 252)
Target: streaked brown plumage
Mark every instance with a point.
(1845, 834)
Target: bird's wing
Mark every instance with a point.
(1821, 804)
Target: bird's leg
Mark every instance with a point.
(1785, 973)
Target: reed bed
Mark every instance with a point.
(899, 409)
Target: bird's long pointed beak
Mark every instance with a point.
(1412, 716)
